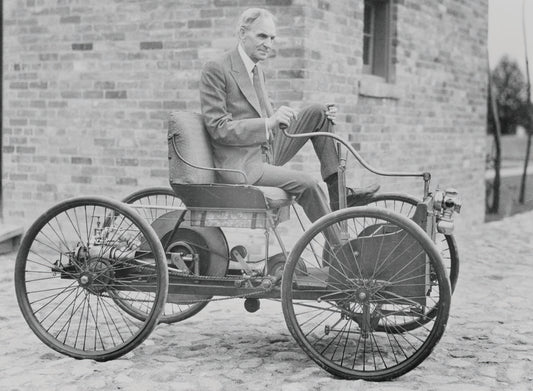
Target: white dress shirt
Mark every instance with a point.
(249, 65)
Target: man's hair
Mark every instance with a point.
(251, 15)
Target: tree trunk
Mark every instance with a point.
(495, 205)
(529, 111)
(522, 196)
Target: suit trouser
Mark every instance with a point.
(305, 188)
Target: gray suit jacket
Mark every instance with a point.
(232, 116)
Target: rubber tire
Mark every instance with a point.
(193, 309)
(442, 311)
(162, 279)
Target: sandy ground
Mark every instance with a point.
(487, 345)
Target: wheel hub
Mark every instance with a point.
(97, 275)
(85, 279)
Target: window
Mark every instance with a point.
(376, 38)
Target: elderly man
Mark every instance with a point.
(245, 129)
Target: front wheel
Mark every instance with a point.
(78, 265)
(347, 309)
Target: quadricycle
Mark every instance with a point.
(365, 290)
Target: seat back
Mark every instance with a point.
(211, 204)
(187, 135)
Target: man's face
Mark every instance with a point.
(258, 39)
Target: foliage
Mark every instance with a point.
(509, 85)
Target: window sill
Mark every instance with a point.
(376, 87)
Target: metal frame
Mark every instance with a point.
(425, 175)
(172, 138)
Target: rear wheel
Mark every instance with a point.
(348, 312)
(157, 205)
(78, 265)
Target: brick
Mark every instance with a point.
(159, 173)
(225, 3)
(114, 36)
(93, 94)
(82, 46)
(70, 19)
(126, 181)
(150, 105)
(38, 85)
(292, 52)
(151, 45)
(80, 179)
(71, 94)
(57, 104)
(41, 104)
(212, 13)
(25, 150)
(104, 85)
(174, 105)
(103, 142)
(284, 3)
(116, 95)
(48, 57)
(18, 177)
(18, 122)
(81, 160)
(18, 85)
(199, 24)
(46, 188)
(292, 74)
(127, 162)
(28, 75)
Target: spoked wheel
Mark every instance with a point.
(348, 312)
(157, 206)
(153, 202)
(74, 274)
(406, 205)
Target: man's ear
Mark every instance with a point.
(242, 33)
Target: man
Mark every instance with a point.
(245, 130)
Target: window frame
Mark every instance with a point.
(379, 37)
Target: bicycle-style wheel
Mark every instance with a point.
(157, 205)
(73, 264)
(406, 205)
(348, 311)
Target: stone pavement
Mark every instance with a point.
(488, 343)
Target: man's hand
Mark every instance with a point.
(331, 113)
(284, 115)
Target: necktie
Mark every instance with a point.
(259, 92)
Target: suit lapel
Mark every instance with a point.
(240, 75)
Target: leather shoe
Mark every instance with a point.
(361, 196)
(355, 196)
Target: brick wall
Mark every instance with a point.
(432, 118)
(88, 85)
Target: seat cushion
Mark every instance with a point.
(275, 197)
(187, 134)
(230, 196)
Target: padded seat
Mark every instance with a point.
(229, 196)
(276, 197)
(193, 179)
